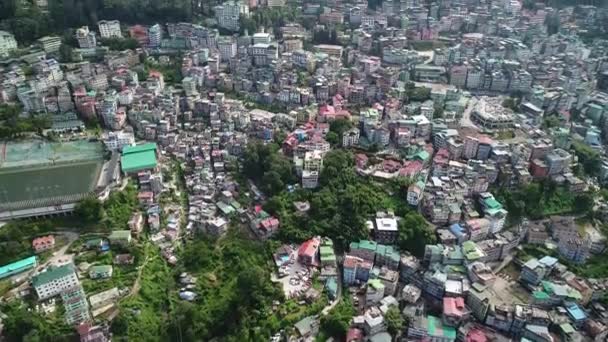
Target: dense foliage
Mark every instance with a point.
(414, 234)
(16, 239)
(235, 292)
(144, 316)
(335, 324)
(120, 44)
(266, 166)
(394, 320)
(588, 158)
(540, 199)
(342, 205)
(21, 324)
(114, 213)
(14, 124)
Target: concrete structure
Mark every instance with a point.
(54, 281)
(109, 29)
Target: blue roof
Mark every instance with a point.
(17, 266)
(457, 230)
(575, 312)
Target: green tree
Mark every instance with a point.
(89, 210)
(337, 321)
(394, 321)
(415, 234)
(332, 138)
(340, 126)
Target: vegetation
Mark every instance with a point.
(394, 320)
(540, 199)
(264, 165)
(16, 239)
(120, 44)
(235, 292)
(419, 94)
(265, 17)
(337, 321)
(21, 324)
(115, 212)
(414, 234)
(325, 36)
(144, 316)
(13, 124)
(588, 158)
(172, 72)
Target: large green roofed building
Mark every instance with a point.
(138, 158)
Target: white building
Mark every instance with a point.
(228, 14)
(86, 39)
(350, 137)
(54, 281)
(109, 29)
(228, 48)
(7, 43)
(155, 35)
(116, 140)
(310, 179)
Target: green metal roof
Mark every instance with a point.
(492, 203)
(52, 274)
(437, 329)
(364, 244)
(101, 269)
(138, 148)
(139, 161)
(7, 270)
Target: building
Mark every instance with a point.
(109, 29)
(7, 43)
(75, 305)
(138, 158)
(115, 141)
(307, 253)
(89, 333)
(100, 271)
(54, 281)
(43, 243)
(228, 14)
(120, 237)
(50, 44)
(454, 311)
(85, 38)
(18, 267)
(374, 292)
(350, 137)
(155, 35)
(385, 228)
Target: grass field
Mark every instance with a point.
(54, 182)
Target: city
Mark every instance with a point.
(304, 170)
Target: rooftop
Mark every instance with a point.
(53, 274)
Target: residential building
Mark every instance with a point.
(385, 228)
(7, 43)
(43, 243)
(75, 305)
(54, 281)
(100, 271)
(18, 267)
(109, 29)
(86, 39)
(454, 311)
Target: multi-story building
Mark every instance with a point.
(109, 29)
(350, 137)
(86, 39)
(116, 140)
(54, 281)
(155, 35)
(75, 305)
(228, 14)
(7, 43)
(385, 228)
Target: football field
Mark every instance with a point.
(47, 184)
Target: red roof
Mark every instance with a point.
(411, 168)
(354, 334)
(476, 335)
(453, 306)
(327, 110)
(309, 248)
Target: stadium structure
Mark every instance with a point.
(39, 178)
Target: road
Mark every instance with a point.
(465, 121)
(59, 256)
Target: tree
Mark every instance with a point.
(332, 138)
(340, 126)
(588, 157)
(337, 321)
(89, 209)
(120, 44)
(414, 234)
(583, 203)
(394, 320)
